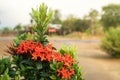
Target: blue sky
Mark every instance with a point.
(13, 12)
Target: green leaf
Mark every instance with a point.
(53, 77)
(29, 67)
(2, 67)
(4, 64)
(12, 73)
(39, 65)
(5, 76)
(17, 77)
(59, 65)
(42, 17)
(42, 78)
(44, 74)
(22, 67)
(52, 66)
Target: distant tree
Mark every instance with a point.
(56, 17)
(111, 16)
(93, 18)
(18, 28)
(74, 24)
(6, 30)
(68, 24)
(81, 25)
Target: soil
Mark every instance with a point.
(96, 64)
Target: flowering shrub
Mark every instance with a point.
(34, 58)
(61, 65)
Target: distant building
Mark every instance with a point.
(54, 29)
(28, 28)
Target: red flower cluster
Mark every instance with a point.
(66, 59)
(65, 73)
(25, 47)
(44, 53)
(36, 50)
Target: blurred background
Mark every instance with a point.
(79, 22)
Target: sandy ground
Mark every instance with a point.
(96, 64)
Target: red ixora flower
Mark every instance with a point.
(39, 52)
(25, 47)
(58, 57)
(36, 50)
(67, 60)
(65, 73)
(43, 52)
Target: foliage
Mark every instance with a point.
(6, 30)
(81, 25)
(44, 62)
(7, 70)
(34, 58)
(31, 58)
(4, 64)
(42, 17)
(5, 76)
(18, 28)
(111, 16)
(111, 42)
(72, 51)
(56, 18)
(72, 24)
(94, 21)
(24, 36)
(68, 50)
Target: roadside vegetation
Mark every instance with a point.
(94, 23)
(111, 42)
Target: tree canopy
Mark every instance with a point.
(111, 16)
(74, 24)
(94, 21)
(56, 17)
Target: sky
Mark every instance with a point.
(13, 12)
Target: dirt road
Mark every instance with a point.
(96, 64)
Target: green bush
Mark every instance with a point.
(111, 42)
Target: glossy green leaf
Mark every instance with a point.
(53, 67)
(53, 77)
(39, 65)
